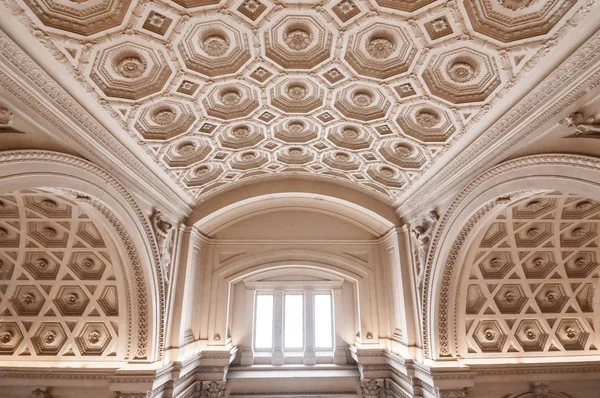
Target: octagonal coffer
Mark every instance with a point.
(80, 17)
(511, 20)
(214, 48)
(297, 95)
(186, 152)
(298, 42)
(229, 101)
(462, 75)
(130, 70)
(165, 120)
(361, 102)
(381, 50)
(426, 122)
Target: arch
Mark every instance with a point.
(239, 268)
(238, 204)
(474, 205)
(104, 195)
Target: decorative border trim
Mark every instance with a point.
(69, 160)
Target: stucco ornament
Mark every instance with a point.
(162, 230)
(215, 389)
(39, 393)
(370, 388)
(6, 117)
(584, 125)
(421, 235)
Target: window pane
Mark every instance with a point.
(294, 321)
(323, 321)
(263, 323)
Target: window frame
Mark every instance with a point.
(255, 313)
(329, 287)
(332, 313)
(301, 293)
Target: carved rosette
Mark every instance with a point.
(386, 175)
(361, 102)
(241, 136)
(202, 175)
(10, 337)
(295, 131)
(462, 75)
(214, 48)
(186, 152)
(349, 136)
(297, 95)
(247, 160)
(295, 155)
(165, 120)
(298, 42)
(426, 122)
(130, 70)
(341, 160)
(230, 101)
(403, 154)
(381, 50)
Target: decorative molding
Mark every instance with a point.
(97, 136)
(370, 387)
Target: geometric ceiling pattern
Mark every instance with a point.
(366, 92)
(532, 279)
(58, 289)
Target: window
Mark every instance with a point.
(263, 330)
(323, 321)
(293, 321)
(293, 328)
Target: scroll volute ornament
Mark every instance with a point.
(163, 233)
(421, 235)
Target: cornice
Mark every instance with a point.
(78, 127)
(513, 127)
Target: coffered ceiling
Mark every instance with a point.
(369, 93)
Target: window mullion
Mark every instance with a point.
(339, 352)
(310, 357)
(277, 357)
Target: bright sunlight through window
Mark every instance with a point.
(294, 322)
(323, 321)
(263, 332)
